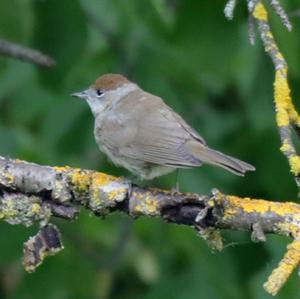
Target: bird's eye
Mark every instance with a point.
(99, 92)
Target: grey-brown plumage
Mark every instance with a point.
(138, 131)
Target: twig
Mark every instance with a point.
(46, 242)
(26, 54)
(282, 14)
(229, 9)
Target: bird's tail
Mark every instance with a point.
(231, 164)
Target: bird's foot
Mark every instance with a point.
(175, 189)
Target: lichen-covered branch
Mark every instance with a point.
(32, 193)
(286, 115)
(287, 118)
(46, 242)
(26, 54)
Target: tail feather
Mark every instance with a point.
(231, 164)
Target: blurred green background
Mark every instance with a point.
(204, 67)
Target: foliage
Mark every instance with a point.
(204, 67)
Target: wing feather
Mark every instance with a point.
(159, 137)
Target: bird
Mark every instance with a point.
(140, 132)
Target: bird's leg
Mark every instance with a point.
(175, 189)
(136, 180)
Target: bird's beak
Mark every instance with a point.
(81, 94)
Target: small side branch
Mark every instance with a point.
(46, 242)
(25, 54)
(286, 266)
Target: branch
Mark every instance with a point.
(32, 193)
(287, 118)
(286, 115)
(26, 54)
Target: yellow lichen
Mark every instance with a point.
(36, 208)
(146, 203)
(61, 168)
(151, 205)
(100, 179)
(105, 190)
(282, 98)
(294, 116)
(81, 180)
(286, 266)
(7, 213)
(95, 202)
(279, 56)
(9, 178)
(270, 35)
(8, 210)
(286, 209)
(295, 164)
(236, 205)
(20, 161)
(289, 229)
(285, 146)
(116, 193)
(211, 203)
(260, 12)
(247, 205)
(138, 208)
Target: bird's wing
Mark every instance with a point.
(159, 136)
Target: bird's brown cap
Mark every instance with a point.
(109, 82)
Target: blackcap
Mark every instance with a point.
(139, 131)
